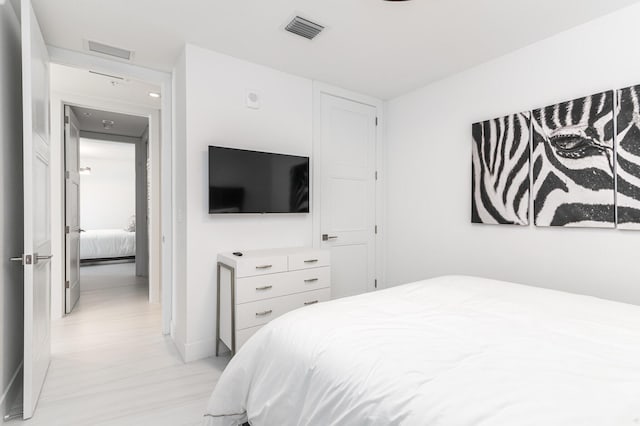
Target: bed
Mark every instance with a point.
(107, 244)
(451, 351)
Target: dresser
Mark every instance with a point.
(261, 285)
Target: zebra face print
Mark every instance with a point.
(500, 170)
(573, 163)
(628, 158)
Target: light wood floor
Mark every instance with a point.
(111, 365)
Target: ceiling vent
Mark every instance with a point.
(304, 28)
(105, 49)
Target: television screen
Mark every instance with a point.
(243, 181)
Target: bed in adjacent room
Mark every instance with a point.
(107, 244)
(447, 351)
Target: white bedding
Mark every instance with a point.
(452, 351)
(107, 243)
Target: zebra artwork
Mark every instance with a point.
(573, 163)
(628, 158)
(500, 170)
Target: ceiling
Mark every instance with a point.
(380, 48)
(91, 120)
(81, 82)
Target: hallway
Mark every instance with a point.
(112, 366)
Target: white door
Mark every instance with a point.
(37, 209)
(347, 193)
(72, 208)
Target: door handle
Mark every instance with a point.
(327, 237)
(16, 259)
(37, 258)
(264, 266)
(313, 302)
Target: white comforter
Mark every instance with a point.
(452, 351)
(107, 243)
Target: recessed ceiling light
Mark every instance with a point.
(154, 94)
(85, 170)
(108, 124)
(86, 114)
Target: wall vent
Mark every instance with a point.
(105, 49)
(304, 28)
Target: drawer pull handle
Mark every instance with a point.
(311, 280)
(263, 313)
(313, 302)
(266, 287)
(311, 261)
(264, 266)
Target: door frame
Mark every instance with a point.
(320, 89)
(164, 80)
(152, 115)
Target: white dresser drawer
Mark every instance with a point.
(243, 335)
(251, 266)
(261, 312)
(309, 259)
(310, 279)
(259, 287)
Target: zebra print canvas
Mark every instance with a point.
(500, 170)
(573, 163)
(628, 158)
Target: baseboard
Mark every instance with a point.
(199, 350)
(180, 345)
(12, 392)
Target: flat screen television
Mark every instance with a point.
(242, 181)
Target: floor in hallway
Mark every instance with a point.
(112, 366)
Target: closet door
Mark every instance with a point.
(347, 193)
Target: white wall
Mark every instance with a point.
(108, 194)
(429, 168)
(210, 91)
(11, 202)
(179, 197)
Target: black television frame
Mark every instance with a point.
(308, 159)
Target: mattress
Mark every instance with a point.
(107, 243)
(450, 351)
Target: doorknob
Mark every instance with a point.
(327, 237)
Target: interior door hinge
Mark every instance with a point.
(375, 229)
(376, 175)
(66, 284)
(67, 230)
(67, 175)
(66, 119)
(376, 121)
(375, 283)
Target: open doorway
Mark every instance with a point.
(107, 205)
(109, 226)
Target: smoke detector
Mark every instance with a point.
(304, 28)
